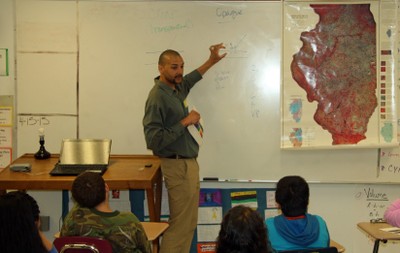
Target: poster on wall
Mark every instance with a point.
(5, 157)
(339, 72)
(6, 122)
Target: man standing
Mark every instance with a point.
(165, 127)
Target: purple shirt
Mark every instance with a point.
(392, 214)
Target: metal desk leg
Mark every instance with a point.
(376, 246)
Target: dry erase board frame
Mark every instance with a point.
(99, 58)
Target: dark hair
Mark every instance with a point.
(292, 194)
(18, 231)
(88, 189)
(165, 54)
(33, 204)
(243, 231)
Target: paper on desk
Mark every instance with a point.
(196, 130)
(394, 230)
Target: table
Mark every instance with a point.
(125, 172)
(373, 229)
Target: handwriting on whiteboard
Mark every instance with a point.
(221, 79)
(389, 163)
(229, 13)
(254, 107)
(375, 201)
(24, 121)
(236, 48)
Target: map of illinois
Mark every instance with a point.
(336, 66)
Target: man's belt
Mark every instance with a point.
(177, 157)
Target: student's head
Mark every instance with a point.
(170, 66)
(18, 230)
(242, 231)
(292, 194)
(89, 189)
(33, 204)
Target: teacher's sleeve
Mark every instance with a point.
(157, 136)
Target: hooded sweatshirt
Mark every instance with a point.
(292, 233)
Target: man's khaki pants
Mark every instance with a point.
(182, 181)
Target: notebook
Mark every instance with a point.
(79, 155)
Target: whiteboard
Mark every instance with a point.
(112, 63)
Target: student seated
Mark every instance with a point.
(19, 229)
(295, 228)
(243, 231)
(92, 216)
(392, 213)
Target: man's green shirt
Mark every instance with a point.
(165, 108)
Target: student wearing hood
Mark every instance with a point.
(295, 228)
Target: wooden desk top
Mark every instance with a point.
(154, 229)
(124, 172)
(339, 247)
(373, 229)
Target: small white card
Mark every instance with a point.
(196, 130)
(394, 230)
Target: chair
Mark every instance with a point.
(153, 230)
(319, 250)
(82, 244)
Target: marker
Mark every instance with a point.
(210, 178)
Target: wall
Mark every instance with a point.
(89, 56)
(92, 62)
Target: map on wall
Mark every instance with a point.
(338, 85)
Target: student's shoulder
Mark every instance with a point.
(77, 211)
(269, 222)
(269, 219)
(128, 216)
(318, 217)
(83, 215)
(320, 220)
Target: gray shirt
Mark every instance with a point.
(164, 110)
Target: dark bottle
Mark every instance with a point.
(42, 153)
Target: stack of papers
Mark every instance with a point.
(394, 230)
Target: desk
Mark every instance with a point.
(339, 247)
(373, 229)
(125, 172)
(153, 231)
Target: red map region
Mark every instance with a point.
(336, 66)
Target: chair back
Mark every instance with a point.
(82, 244)
(319, 250)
